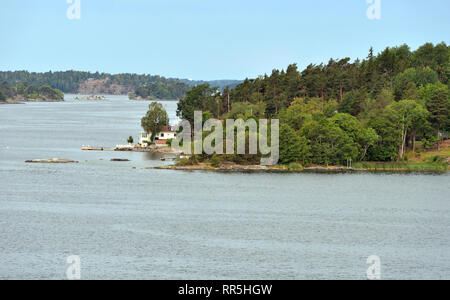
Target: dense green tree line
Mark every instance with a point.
(221, 84)
(161, 90)
(372, 109)
(398, 69)
(144, 86)
(69, 81)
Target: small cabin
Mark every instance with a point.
(168, 133)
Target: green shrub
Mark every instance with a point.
(436, 159)
(215, 161)
(295, 166)
(184, 162)
(426, 144)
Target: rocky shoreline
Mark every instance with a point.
(11, 102)
(42, 100)
(254, 169)
(22, 101)
(52, 161)
(149, 99)
(281, 169)
(90, 98)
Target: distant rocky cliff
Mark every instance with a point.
(103, 86)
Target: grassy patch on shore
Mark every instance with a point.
(402, 166)
(420, 160)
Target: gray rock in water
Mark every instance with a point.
(119, 159)
(51, 161)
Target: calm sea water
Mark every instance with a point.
(127, 223)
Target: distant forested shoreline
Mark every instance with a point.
(135, 85)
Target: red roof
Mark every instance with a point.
(169, 129)
(166, 129)
(161, 142)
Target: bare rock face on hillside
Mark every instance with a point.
(103, 86)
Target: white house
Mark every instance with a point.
(168, 132)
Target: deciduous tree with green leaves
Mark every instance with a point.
(199, 98)
(2, 97)
(155, 119)
(329, 143)
(437, 101)
(293, 148)
(407, 115)
(365, 137)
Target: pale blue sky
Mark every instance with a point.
(207, 39)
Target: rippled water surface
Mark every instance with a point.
(127, 223)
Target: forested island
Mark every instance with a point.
(160, 91)
(149, 87)
(26, 92)
(176, 90)
(390, 109)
